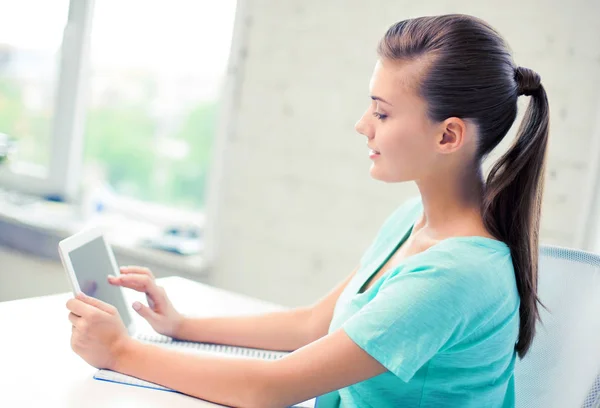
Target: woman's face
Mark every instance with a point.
(401, 138)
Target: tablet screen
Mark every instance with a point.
(92, 265)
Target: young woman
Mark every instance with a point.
(443, 300)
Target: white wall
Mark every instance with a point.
(590, 237)
(22, 275)
(296, 205)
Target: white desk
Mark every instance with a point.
(38, 367)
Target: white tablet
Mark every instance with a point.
(88, 260)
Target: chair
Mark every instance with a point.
(562, 367)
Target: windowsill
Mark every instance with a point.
(52, 222)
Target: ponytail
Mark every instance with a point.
(513, 198)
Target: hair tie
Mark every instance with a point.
(528, 81)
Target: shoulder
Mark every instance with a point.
(464, 255)
(407, 211)
(408, 208)
(390, 232)
(478, 271)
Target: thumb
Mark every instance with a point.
(145, 311)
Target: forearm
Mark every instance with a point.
(285, 331)
(227, 381)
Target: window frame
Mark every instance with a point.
(66, 137)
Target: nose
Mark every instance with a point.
(363, 127)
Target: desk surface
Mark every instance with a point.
(38, 367)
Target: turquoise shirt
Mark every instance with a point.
(443, 322)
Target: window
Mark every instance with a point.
(155, 81)
(44, 53)
(127, 105)
(29, 60)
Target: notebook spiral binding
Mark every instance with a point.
(212, 347)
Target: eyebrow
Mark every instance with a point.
(377, 98)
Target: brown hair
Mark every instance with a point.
(470, 74)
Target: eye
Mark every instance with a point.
(379, 116)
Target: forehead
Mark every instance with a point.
(396, 80)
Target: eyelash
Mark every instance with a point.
(379, 116)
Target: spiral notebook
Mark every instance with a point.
(192, 347)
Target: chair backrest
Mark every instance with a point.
(561, 369)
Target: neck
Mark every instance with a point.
(451, 205)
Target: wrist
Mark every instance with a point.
(179, 325)
(123, 350)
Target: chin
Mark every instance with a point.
(378, 175)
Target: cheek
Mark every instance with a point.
(405, 152)
(405, 141)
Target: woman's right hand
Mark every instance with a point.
(161, 314)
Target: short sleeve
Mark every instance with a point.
(415, 314)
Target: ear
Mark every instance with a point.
(452, 135)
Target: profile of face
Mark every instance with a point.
(405, 145)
